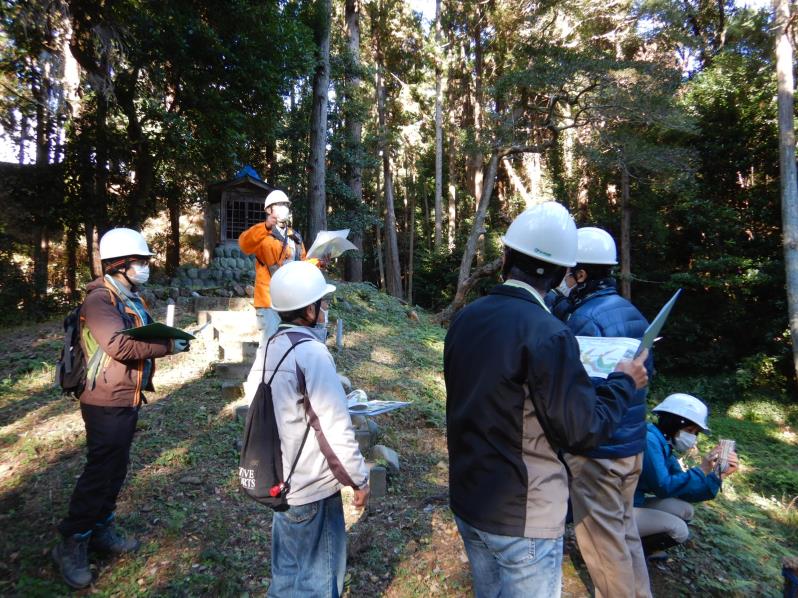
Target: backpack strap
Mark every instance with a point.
(296, 339)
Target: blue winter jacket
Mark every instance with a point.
(664, 477)
(605, 313)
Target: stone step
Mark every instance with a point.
(232, 371)
(221, 303)
(243, 322)
(237, 350)
(232, 390)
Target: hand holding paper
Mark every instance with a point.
(330, 244)
(635, 368)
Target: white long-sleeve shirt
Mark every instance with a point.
(331, 457)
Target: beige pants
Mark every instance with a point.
(602, 494)
(664, 515)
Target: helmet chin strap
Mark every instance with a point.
(315, 321)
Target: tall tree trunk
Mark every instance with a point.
(626, 226)
(143, 162)
(378, 235)
(451, 221)
(93, 250)
(411, 237)
(477, 231)
(318, 127)
(41, 239)
(354, 131)
(393, 275)
(70, 276)
(438, 132)
(173, 248)
(479, 158)
(451, 162)
(789, 192)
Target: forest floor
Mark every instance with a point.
(202, 537)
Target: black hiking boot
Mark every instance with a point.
(72, 559)
(106, 539)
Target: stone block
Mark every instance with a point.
(232, 390)
(378, 481)
(242, 264)
(204, 274)
(218, 251)
(227, 274)
(192, 273)
(241, 412)
(233, 371)
(174, 293)
(390, 456)
(364, 440)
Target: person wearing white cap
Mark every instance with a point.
(308, 555)
(666, 490)
(516, 393)
(118, 369)
(273, 243)
(603, 480)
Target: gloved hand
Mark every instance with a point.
(179, 345)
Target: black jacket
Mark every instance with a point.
(516, 393)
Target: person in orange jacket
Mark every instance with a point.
(274, 244)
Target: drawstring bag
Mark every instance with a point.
(260, 468)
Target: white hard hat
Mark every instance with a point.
(546, 232)
(296, 285)
(595, 246)
(275, 196)
(122, 242)
(686, 406)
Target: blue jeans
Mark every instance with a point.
(512, 567)
(309, 550)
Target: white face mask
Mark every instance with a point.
(138, 274)
(684, 441)
(320, 329)
(281, 213)
(564, 289)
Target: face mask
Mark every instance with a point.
(281, 213)
(320, 330)
(139, 274)
(684, 441)
(564, 289)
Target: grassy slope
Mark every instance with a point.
(201, 537)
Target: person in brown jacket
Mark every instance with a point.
(119, 368)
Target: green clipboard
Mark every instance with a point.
(156, 331)
(653, 330)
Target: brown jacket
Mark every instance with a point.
(118, 380)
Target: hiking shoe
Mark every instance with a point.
(72, 559)
(107, 539)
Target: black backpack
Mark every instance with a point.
(260, 468)
(70, 369)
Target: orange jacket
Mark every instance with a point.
(269, 251)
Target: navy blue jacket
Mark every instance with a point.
(516, 391)
(605, 313)
(664, 477)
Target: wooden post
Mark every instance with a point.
(209, 232)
